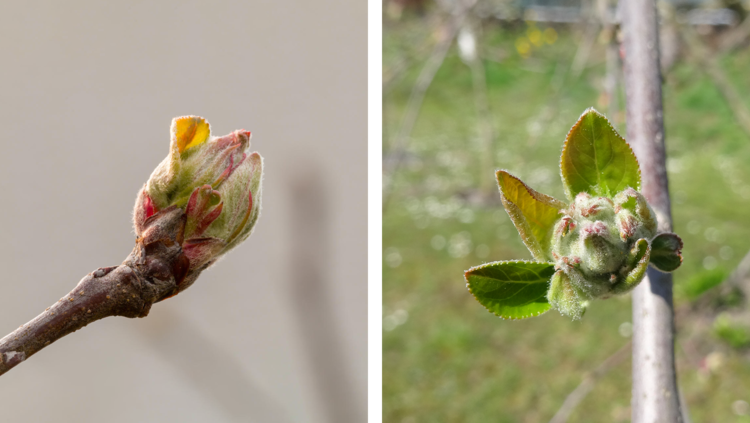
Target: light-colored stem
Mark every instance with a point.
(655, 395)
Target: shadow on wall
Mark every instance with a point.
(310, 257)
(222, 380)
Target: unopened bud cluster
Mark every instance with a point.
(598, 246)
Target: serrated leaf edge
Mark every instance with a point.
(567, 138)
(539, 196)
(466, 277)
(537, 253)
(506, 261)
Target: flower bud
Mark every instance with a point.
(215, 183)
(600, 243)
(565, 295)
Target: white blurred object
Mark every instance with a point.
(467, 44)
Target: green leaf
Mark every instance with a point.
(596, 159)
(666, 252)
(533, 213)
(511, 289)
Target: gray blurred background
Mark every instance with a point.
(277, 330)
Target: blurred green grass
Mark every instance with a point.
(445, 358)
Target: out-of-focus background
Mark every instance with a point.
(276, 332)
(498, 86)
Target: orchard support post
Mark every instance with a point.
(655, 395)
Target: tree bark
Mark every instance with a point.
(655, 395)
(152, 272)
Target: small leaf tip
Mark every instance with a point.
(591, 110)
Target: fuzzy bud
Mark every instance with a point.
(214, 182)
(599, 246)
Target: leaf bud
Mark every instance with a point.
(214, 182)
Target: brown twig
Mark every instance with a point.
(655, 396)
(587, 384)
(151, 273)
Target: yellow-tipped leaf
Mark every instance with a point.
(189, 131)
(533, 213)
